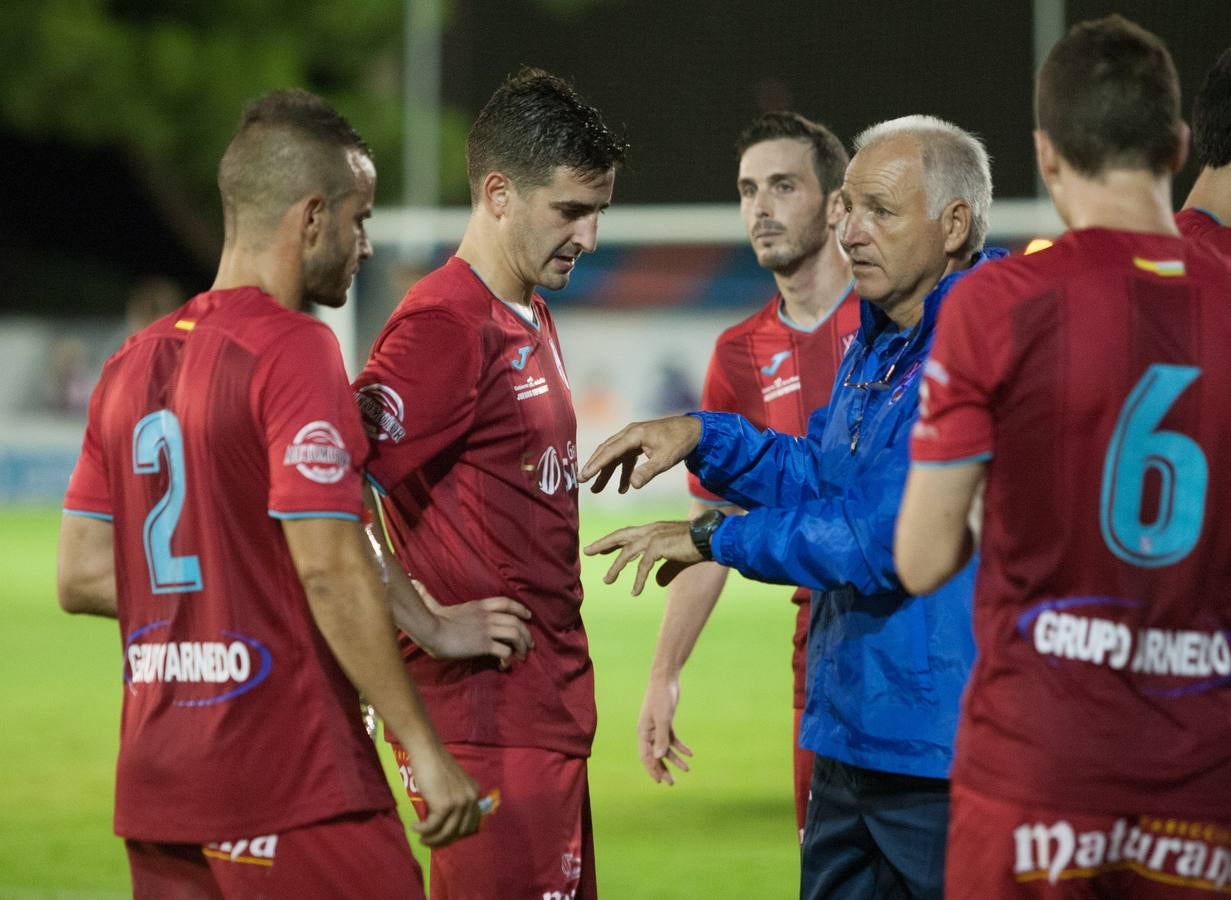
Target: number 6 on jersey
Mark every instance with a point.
(160, 431)
(1135, 449)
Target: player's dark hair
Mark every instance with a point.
(534, 123)
(289, 144)
(1212, 115)
(829, 157)
(1109, 98)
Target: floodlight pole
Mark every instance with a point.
(421, 103)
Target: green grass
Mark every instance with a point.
(725, 830)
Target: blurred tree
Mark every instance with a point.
(164, 80)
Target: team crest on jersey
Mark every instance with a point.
(318, 453)
(201, 673)
(383, 412)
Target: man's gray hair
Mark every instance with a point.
(955, 167)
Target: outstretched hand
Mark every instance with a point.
(493, 626)
(668, 541)
(664, 442)
(657, 741)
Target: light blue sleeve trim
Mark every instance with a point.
(380, 488)
(314, 514)
(946, 463)
(1202, 209)
(86, 514)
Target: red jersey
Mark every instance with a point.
(474, 447)
(205, 429)
(1093, 374)
(1203, 225)
(776, 374)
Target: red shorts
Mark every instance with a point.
(359, 855)
(999, 850)
(799, 668)
(539, 843)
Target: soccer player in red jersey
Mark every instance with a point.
(1207, 211)
(775, 368)
(473, 438)
(1086, 386)
(215, 511)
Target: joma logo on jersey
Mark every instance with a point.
(775, 362)
(555, 471)
(236, 665)
(1191, 854)
(523, 353)
(383, 412)
(318, 453)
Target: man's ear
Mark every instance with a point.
(495, 193)
(311, 217)
(1183, 143)
(956, 219)
(1046, 157)
(836, 210)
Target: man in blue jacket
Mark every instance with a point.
(885, 669)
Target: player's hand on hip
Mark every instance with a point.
(493, 626)
(451, 796)
(670, 541)
(664, 442)
(657, 741)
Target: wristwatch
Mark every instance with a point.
(702, 529)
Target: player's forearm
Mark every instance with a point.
(349, 609)
(85, 566)
(691, 597)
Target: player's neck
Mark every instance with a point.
(487, 257)
(1123, 199)
(267, 269)
(816, 286)
(1212, 192)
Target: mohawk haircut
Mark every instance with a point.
(532, 124)
(289, 144)
(1212, 115)
(1109, 98)
(829, 158)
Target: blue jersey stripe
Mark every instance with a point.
(314, 514)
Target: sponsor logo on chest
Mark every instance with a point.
(554, 470)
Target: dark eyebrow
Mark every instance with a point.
(577, 207)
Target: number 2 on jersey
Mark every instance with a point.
(1136, 449)
(158, 437)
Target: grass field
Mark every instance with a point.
(725, 830)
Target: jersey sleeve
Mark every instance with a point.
(313, 436)
(955, 418)
(418, 391)
(717, 395)
(88, 492)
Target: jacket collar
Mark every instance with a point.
(872, 321)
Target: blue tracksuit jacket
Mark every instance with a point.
(885, 670)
